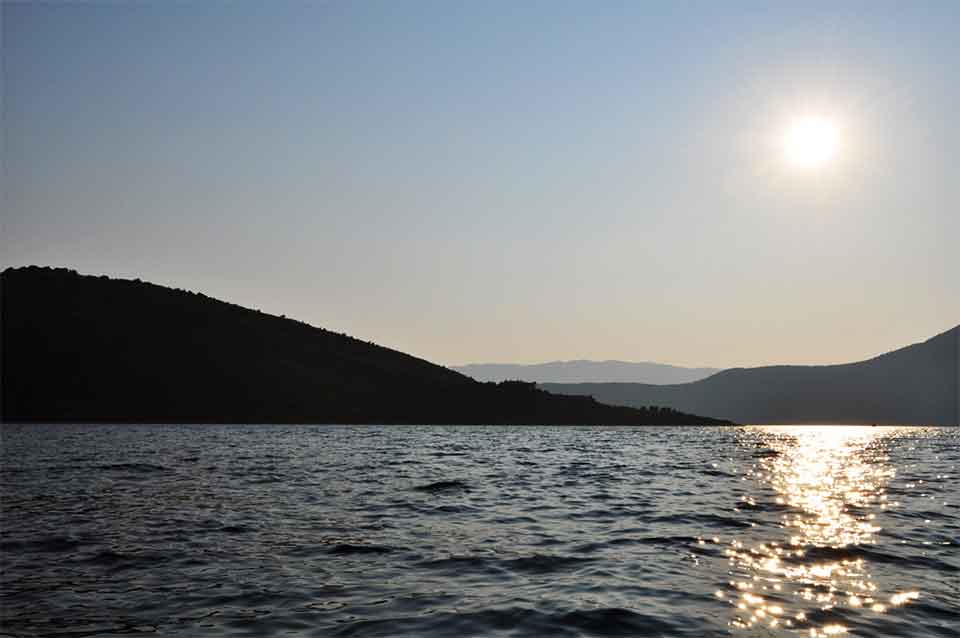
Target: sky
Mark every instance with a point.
(502, 181)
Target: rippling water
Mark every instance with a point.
(465, 531)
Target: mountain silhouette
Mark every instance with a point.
(93, 349)
(583, 371)
(917, 384)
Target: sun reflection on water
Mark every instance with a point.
(830, 484)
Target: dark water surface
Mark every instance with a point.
(468, 531)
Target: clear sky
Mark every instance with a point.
(503, 181)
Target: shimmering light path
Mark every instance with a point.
(330, 531)
(831, 483)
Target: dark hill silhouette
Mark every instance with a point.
(583, 371)
(917, 384)
(94, 349)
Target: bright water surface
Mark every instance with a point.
(468, 531)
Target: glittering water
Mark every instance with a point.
(456, 531)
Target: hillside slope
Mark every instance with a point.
(917, 384)
(83, 348)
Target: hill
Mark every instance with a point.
(94, 349)
(583, 371)
(917, 384)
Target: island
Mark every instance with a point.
(81, 348)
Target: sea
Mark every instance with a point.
(429, 531)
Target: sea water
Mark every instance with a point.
(479, 531)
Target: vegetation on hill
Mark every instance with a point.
(95, 349)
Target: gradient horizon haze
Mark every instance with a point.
(502, 182)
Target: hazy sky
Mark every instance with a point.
(503, 181)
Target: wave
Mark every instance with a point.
(348, 549)
(443, 486)
(603, 621)
(534, 564)
(873, 555)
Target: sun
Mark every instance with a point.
(811, 141)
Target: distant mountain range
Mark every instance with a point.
(918, 384)
(581, 371)
(93, 349)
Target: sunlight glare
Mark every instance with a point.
(811, 141)
(828, 482)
